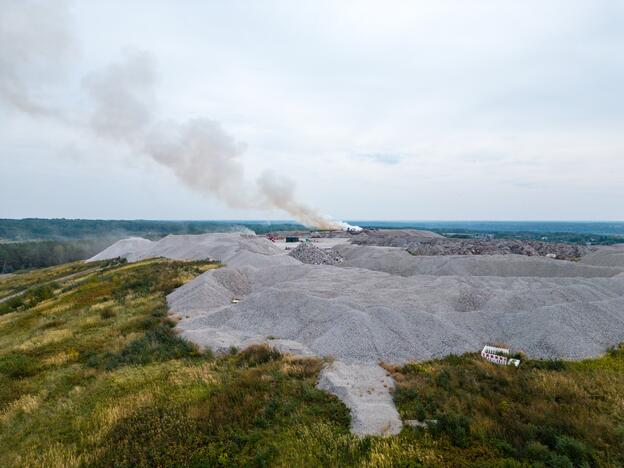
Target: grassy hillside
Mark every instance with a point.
(92, 374)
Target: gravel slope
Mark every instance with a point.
(397, 261)
(612, 256)
(124, 248)
(232, 248)
(359, 315)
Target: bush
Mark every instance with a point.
(157, 345)
(18, 365)
(443, 379)
(107, 313)
(44, 292)
(548, 364)
(11, 305)
(255, 355)
(575, 450)
(455, 426)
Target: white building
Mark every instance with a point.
(499, 356)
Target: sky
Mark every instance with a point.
(387, 110)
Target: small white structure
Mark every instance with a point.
(499, 356)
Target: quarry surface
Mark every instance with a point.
(365, 304)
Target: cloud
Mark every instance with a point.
(199, 152)
(455, 96)
(35, 40)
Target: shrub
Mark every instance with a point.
(575, 450)
(53, 323)
(548, 364)
(159, 344)
(443, 379)
(107, 313)
(18, 365)
(255, 355)
(44, 292)
(536, 451)
(616, 351)
(455, 426)
(11, 305)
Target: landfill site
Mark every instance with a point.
(391, 296)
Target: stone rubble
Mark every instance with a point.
(307, 252)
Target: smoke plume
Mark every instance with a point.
(34, 38)
(198, 152)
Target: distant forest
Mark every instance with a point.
(67, 229)
(35, 243)
(38, 254)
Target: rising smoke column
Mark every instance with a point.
(279, 192)
(198, 152)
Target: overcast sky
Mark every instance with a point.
(412, 110)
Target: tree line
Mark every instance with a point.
(38, 254)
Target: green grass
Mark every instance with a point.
(544, 413)
(22, 280)
(92, 374)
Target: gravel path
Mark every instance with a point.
(366, 390)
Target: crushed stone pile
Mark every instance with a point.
(384, 304)
(232, 248)
(363, 316)
(417, 244)
(392, 237)
(398, 261)
(307, 252)
(612, 256)
(497, 247)
(123, 248)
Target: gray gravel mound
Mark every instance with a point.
(398, 261)
(612, 256)
(382, 303)
(308, 253)
(123, 248)
(419, 244)
(392, 237)
(359, 315)
(231, 248)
